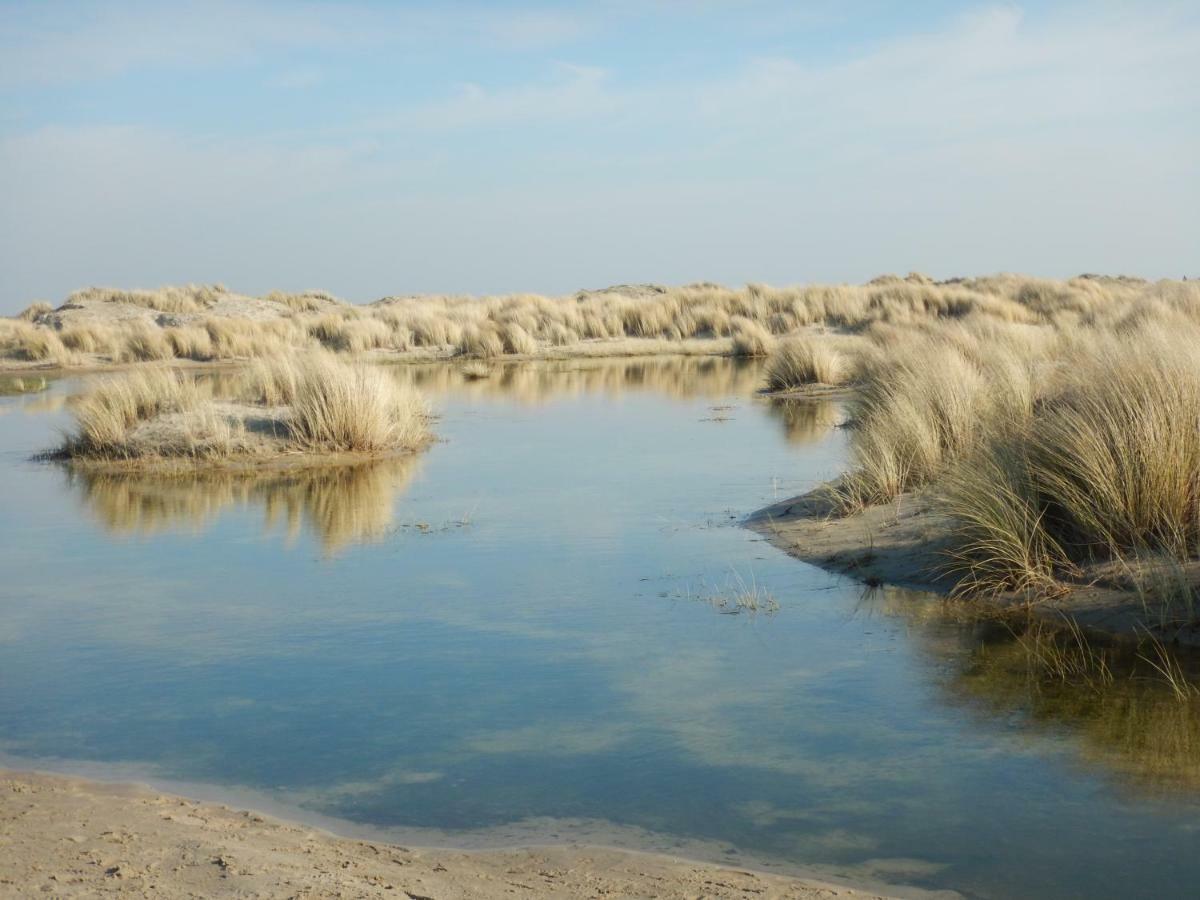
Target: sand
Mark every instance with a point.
(66, 837)
(905, 543)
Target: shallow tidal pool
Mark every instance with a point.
(531, 632)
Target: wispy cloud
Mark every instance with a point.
(44, 43)
(573, 92)
(993, 71)
(47, 43)
(1051, 140)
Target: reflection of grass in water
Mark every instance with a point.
(804, 421)
(1064, 654)
(1109, 698)
(539, 382)
(12, 385)
(1166, 583)
(476, 370)
(341, 504)
(1173, 672)
(1114, 698)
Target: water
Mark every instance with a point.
(520, 633)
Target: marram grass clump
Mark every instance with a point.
(1105, 467)
(1057, 450)
(354, 408)
(805, 360)
(315, 404)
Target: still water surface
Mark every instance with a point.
(519, 626)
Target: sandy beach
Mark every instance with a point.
(63, 836)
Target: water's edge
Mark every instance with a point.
(578, 835)
(902, 545)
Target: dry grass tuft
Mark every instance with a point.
(189, 298)
(33, 310)
(1053, 451)
(190, 342)
(354, 407)
(28, 342)
(145, 342)
(481, 342)
(311, 404)
(92, 337)
(801, 361)
(105, 418)
(1105, 466)
(750, 338)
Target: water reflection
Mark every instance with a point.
(40, 400)
(1113, 701)
(535, 382)
(339, 504)
(539, 670)
(17, 385)
(540, 382)
(345, 504)
(805, 421)
(1123, 713)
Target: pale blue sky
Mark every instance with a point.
(376, 148)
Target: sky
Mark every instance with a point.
(384, 148)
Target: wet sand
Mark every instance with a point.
(68, 837)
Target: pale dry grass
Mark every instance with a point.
(144, 342)
(354, 408)
(241, 339)
(190, 342)
(1105, 466)
(481, 342)
(92, 337)
(176, 299)
(27, 342)
(804, 360)
(106, 417)
(314, 404)
(1053, 448)
(33, 310)
(750, 338)
(744, 321)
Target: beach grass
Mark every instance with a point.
(312, 403)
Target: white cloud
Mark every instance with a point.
(577, 91)
(48, 43)
(999, 141)
(993, 70)
(52, 43)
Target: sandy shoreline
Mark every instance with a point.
(904, 544)
(70, 837)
